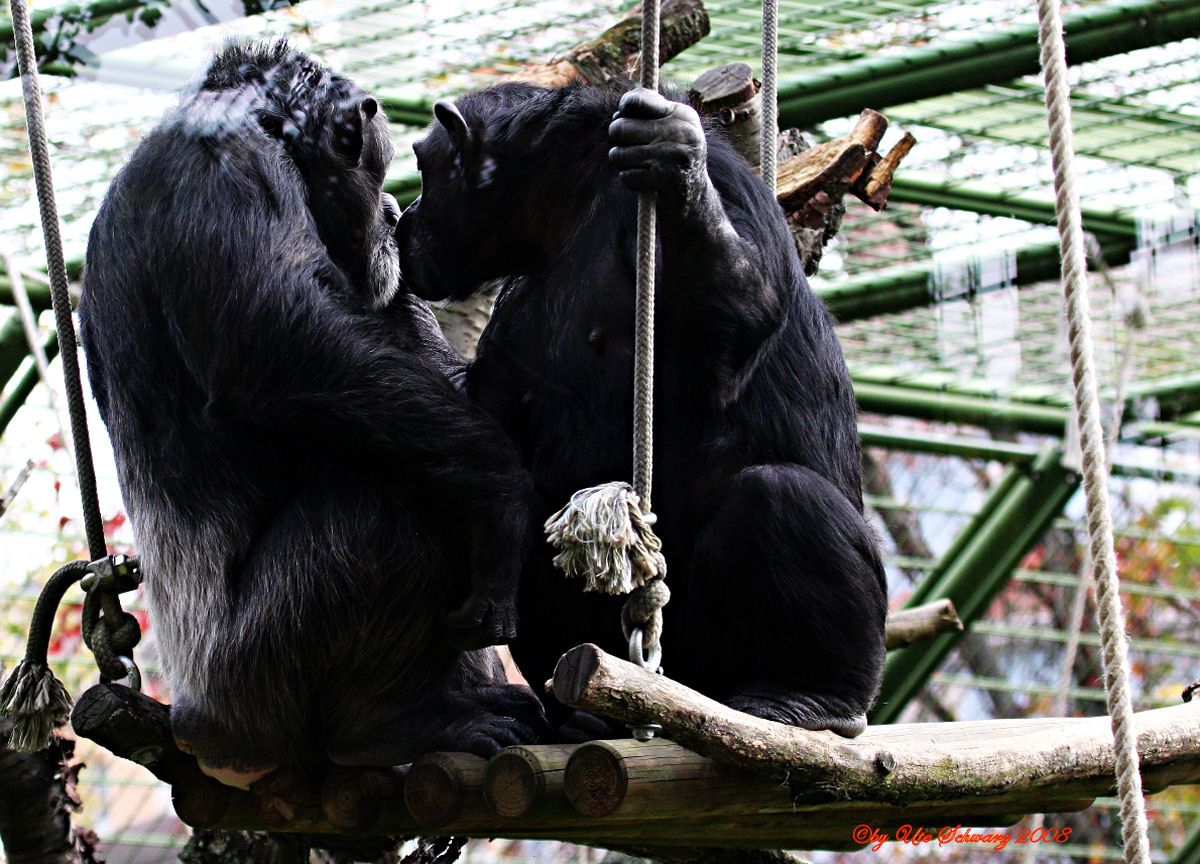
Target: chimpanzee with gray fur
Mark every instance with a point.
(778, 589)
(310, 493)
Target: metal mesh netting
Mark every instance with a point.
(970, 221)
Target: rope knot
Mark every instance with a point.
(604, 537)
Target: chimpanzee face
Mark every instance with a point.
(451, 238)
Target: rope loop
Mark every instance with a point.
(109, 631)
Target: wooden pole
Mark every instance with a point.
(639, 780)
(353, 799)
(906, 626)
(905, 764)
(442, 788)
(520, 779)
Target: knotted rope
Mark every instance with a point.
(604, 533)
(1091, 435)
(32, 696)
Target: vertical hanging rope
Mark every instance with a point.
(1087, 408)
(605, 533)
(643, 357)
(769, 143)
(57, 268)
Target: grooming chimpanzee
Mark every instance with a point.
(778, 589)
(309, 492)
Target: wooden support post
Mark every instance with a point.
(353, 799)
(906, 626)
(639, 780)
(441, 788)
(730, 95)
(520, 779)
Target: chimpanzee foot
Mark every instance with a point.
(580, 726)
(803, 710)
(506, 716)
(218, 754)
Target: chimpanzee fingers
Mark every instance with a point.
(665, 155)
(480, 622)
(644, 103)
(625, 130)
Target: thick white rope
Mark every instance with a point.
(643, 358)
(1091, 435)
(769, 143)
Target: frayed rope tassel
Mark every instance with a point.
(37, 703)
(604, 537)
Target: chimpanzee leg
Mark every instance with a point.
(786, 607)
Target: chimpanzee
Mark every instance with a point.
(311, 496)
(778, 588)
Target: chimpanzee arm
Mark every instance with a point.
(282, 350)
(659, 144)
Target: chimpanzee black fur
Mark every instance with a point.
(309, 492)
(778, 589)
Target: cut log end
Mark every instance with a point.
(512, 785)
(438, 786)
(573, 672)
(596, 781)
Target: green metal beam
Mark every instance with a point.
(1094, 32)
(977, 567)
(1007, 452)
(1189, 852)
(916, 189)
(14, 347)
(23, 381)
(914, 286)
(944, 406)
(38, 291)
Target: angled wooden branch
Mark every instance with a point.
(975, 763)
(613, 53)
(906, 626)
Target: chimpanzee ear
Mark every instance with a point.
(469, 147)
(349, 122)
(451, 118)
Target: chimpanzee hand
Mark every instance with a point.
(483, 619)
(658, 144)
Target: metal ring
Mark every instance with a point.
(132, 672)
(637, 652)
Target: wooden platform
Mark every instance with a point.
(758, 784)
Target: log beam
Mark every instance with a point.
(900, 765)
(906, 626)
(613, 54)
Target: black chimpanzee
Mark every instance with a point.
(778, 589)
(309, 492)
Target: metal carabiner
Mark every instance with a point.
(638, 655)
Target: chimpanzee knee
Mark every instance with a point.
(789, 599)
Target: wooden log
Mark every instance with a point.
(635, 780)
(288, 800)
(520, 779)
(353, 799)
(906, 626)
(908, 764)
(612, 54)
(442, 788)
(834, 164)
(132, 726)
(730, 95)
